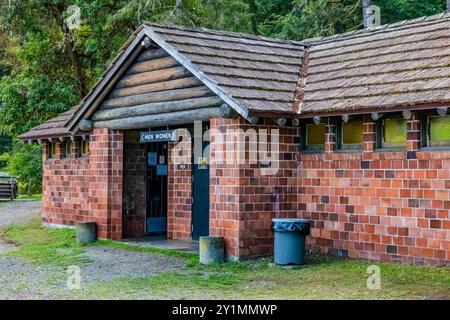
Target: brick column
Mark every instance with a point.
(369, 141)
(105, 192)
(74, 151)
(245, 192)
(179, 196)
(413, 143)
(330, 138)
(59, 149)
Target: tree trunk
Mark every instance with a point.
(75, 60)
(29, 186)
(69, 46)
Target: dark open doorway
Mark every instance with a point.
(157, 171)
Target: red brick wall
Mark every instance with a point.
(378, 205)
(242, 199)
(65, 188)
(179, 202)
(86, 189)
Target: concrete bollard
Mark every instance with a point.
(212, 250)
(86, 232)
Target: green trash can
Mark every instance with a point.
(289, 240)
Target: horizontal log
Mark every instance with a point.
(228, 112)
(152, 54)
(161, 96)
(156, 108)
(162, 119)
(151, 65)
(152, 77)
(157, 86)
(85, 125)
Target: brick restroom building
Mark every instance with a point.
(356, 125)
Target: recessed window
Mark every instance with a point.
(350, 134)
(437, 132)
(67, 149)
(314, 137)
(83, 148)
(392, 132)
(52, 150)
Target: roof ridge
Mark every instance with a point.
(389, 26)
(222, 32)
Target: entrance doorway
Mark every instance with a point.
(157, 170)
(200, 193)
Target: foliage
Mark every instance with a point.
(46, 67)
(25, 162)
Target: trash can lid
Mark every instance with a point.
(276, 220)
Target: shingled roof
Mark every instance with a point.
(402, 65)
(55, 127)
(260, 73)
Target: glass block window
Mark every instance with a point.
(393, 132)
(314, 137)
(438, 131)
(52, 150)
(83, 148)
(350, 134)
(67, 149)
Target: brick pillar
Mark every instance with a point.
(179, 196)
(369, 141)
(413, 143)
(105, 192)
(330, 138)
(246, 192)
(59, 149)
(74, 151)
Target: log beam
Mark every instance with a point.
(228, 112)
(169, 95)
(158, 120)
(156, 108)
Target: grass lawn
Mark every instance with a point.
(4, 203)
(323, 278)
(33, 197)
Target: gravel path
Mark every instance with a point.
(22, 280)
(17, 212)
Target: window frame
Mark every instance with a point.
(80, 153)
(304, 139)
(340, 146)
(52, 150)
(380, 133)
(425, 132)
(65, 154)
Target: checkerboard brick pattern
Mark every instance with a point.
(389, 206)
(87, 189)
(370, 204)
(243, 199)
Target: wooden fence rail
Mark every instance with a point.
(8, 188)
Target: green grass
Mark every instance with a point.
(26, 197)
(323, 278)
(4, 203)
(44, 246)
